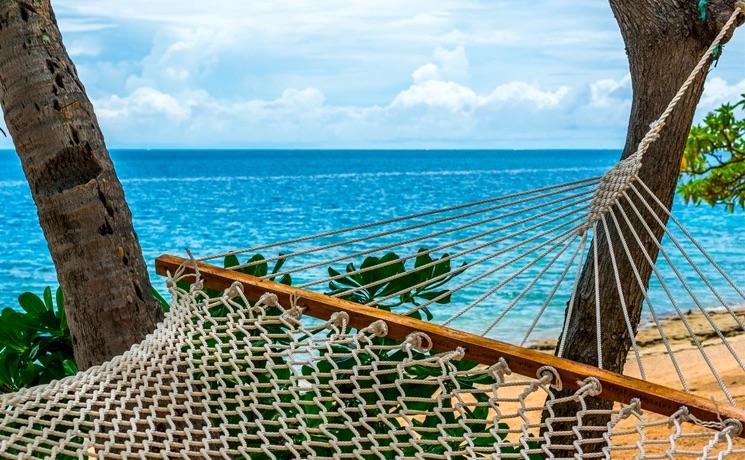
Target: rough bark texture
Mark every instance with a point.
(80, 200)
(664, 41)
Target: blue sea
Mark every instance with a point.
(216, 200)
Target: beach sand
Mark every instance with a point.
(659, 368)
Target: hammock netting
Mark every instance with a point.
(224, 377)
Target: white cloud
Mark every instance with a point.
(83, 47)
(456, 97)
(453, 64)
(608, 93)
(476, 73)
(521, 92)
(147, 103)
(439, 109)
(717, 92)
(436, 93)
(427, 72)
(448, 65)
(77, 25)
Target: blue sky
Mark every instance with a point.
(360, 73)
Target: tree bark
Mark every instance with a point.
(80, 201)
(664, 41)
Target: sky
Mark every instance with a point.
(360, 73)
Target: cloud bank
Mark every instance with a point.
(354, 73)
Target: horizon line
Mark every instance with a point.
(357, 149)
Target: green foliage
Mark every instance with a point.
(35, 345)
(35, 342)
(430, 281)
(257, 266)
(713, 169)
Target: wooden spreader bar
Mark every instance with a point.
(620, 388)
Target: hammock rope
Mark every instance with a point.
(257, 381)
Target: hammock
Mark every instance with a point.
(246, 366)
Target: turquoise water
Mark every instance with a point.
(211, 201)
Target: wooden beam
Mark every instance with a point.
(620, 388)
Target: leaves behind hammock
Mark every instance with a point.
(35, 341)
(369, 286)
(257, 266)
(35, 344)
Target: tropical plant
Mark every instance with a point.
(366, 284)
(35, 344)
(713, 168)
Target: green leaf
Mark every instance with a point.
(278, 266)
(163, 302)
(61, 315)
(48, 299)
(257, 266)
(31, 303)
(713, 166)
(346, 280)
(231, 261)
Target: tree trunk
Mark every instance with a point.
(80, 201)
(664, 41)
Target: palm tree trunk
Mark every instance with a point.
(79, 198)
(664, 41)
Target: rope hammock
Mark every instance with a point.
(245, 365)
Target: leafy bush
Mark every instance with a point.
(430, 282)
(713, 168)
(35, 344)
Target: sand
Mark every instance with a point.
(659, 368)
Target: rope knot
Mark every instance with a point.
(612, 186)
(269, 299)
(633, 406)
(295, 309)
(235, 290)
(500, 370)
(681, 415)
(590, 386)
(379, 328)
(455, 355)
(733, 425)
(196, 286)
(550, 376)
(418, 341)
(340, 319)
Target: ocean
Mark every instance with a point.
(216, 200)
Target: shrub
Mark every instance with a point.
(35, 344)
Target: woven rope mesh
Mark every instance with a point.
(224, 377)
